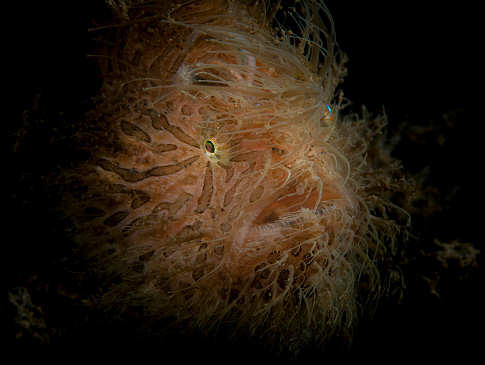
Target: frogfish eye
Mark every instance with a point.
(209, 146)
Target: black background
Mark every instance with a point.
(412, 59)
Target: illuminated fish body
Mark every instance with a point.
(229, 195)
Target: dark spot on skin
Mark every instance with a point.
(270, 218)
(116, 218)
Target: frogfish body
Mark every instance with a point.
(224, 188)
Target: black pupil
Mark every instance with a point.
(209, 146)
